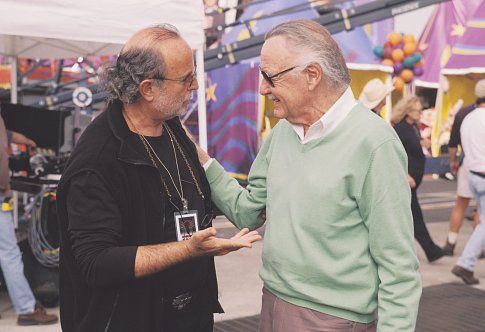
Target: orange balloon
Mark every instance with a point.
(420, 63)
(409, 48)
(387, 62)
(407, 75)
(399, 84)
(394, 38)
(397, 55)
(409, 39)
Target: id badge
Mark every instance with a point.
(186, 224)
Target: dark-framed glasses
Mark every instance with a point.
(269, 78)
(186, 80)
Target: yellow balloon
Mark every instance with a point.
(394, 38)
(409, 39)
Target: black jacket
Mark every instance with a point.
(98, 289)
(411, 140)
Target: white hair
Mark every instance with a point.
(314, 44)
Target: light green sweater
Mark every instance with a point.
(339, 230)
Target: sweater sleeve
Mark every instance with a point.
(385, 205)
(95, 232)
(242, 206)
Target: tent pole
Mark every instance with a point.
(389, 100)
(13, 80)
(202, 112)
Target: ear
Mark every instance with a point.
(314, 75)
(146, 89)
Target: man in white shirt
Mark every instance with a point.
(473, 143)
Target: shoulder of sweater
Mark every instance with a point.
(370, 127)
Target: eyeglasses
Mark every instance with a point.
(187, 80)
(269, 78)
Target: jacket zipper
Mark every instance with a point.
(115, 304)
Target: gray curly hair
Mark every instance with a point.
(121, 78)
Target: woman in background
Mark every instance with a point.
(406, 115)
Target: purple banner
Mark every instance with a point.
(469, 50)
(232, 117)
(445, 27)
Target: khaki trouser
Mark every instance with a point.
(280, 316)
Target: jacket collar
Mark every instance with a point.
(129, 147)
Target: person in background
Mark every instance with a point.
(28, 310)
(374, 94)
(461, 170)
(473, 141)
(406, 115)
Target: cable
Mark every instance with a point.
(38, 212)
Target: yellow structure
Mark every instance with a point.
(454, 86)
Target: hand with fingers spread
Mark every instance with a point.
(205, 242)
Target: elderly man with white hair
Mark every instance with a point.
(338, 249)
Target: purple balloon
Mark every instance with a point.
(418, 71)
(398, 67)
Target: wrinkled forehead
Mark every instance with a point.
(278, 52)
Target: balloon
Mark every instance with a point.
(379, 51)
(407, 75)
(397, 55)
(394, 38)
(399, 46)
(409, 48)
(399, 84)
(398, 67)
(420, 63)
(388, 53)
(387, 62)
(408, 62)
(417, 57)
(387, 44)
(409, 39)
(418, 71)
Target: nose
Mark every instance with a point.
(264, 87)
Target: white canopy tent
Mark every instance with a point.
(69, 28)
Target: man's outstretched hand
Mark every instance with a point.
(205, 242)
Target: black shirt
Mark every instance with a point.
(411, 140)
(455, 138)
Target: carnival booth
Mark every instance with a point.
(464, 68)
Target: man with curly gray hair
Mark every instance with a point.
(134, 205)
